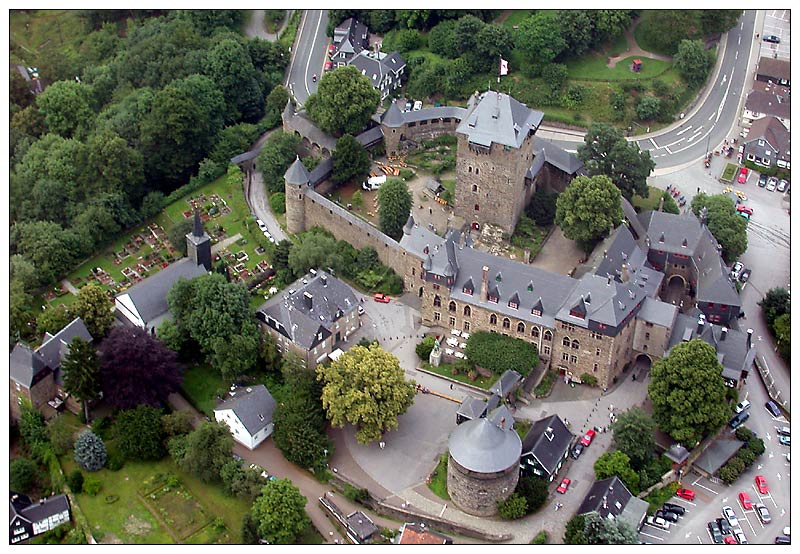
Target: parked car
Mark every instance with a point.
(672, 517)
(677, 508)
(269, 237)
(740, 538)
(658, 522)
(724, 526)
(382, 298)
(730, 515)
(774, 39)
(744, 500)
(417, 105)
(783, 540)
(762, 180)
(761, 484)
(588, 437)
(576, 452)
(773, 408)
(784, 440)
(562, 488)
(784, 431)
(686, 494)
(736, 270)
(787, 531)
(730, 540)
(738, 419)
(745, 275)
(772, 183)
(763, 513)
(782, 185)
(261, 225)
(373, 183)
(745, 209)
(713, 530)
(742, 406)
(743, 175)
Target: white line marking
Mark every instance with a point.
(667, 148)
(654, 143)
(711, 117)
(651, 536)
(727, 90)
(694, 136)
(704, 487)
(310, 55)
(679, 133)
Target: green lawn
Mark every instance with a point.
(649, 203)
(729, 173)
(593, 66)
(446, 370)
(438, 479)
(36, 35)
(200, 385)
(522, 428)
(516, 17)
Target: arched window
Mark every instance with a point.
(437, 302)
(492, 319)
(535, 332)
(452, 306)
(548, 335)
(520, 327)
(467, 311)
(506, 323)
(565, 342)
(576, 344)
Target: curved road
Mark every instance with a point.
(308, 54)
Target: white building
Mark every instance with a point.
(248, 414)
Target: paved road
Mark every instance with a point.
(256, 28)
(308, 55)
(256, 194)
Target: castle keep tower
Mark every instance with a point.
(297, 180)
(495, 152)
(198, 244)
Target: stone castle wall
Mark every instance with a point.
(396, 138)
(478, 493)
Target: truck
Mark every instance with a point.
(374, 183)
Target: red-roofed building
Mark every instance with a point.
(417, 533)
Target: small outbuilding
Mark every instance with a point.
(248, 413)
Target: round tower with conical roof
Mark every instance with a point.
(297, 180)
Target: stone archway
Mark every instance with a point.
(643, 361)
(673, 280)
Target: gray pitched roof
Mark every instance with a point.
(297, 173)
(772, 131)
(547, 440)
(377, 67)
(472, 408)
(657, 312)
(677, 453)
(606, 301)
(299, 121)
(393, 117)
(329, 299)
(350, 37)
(507, 383)
(361, 524)
(769, 103)
(436, 112)
(624, 250)
(254, 408)
(49, 506)
(150, 295)
(480, 446)
(56, 347)
(502, 417)
(717, 454)
(609, 496)
(26, 366)
(501, 119)
(556, 156)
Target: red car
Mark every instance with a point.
(587, 438)
(761, 484)
(744, 500)
(743, 175)
(730, 540)
(562, 488)
(687, 494)
(380, 297)
(744, 209)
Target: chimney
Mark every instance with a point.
(308, 300)
(502, 423)
(324, 280)
(749, 339)
(724, 333)
(484, 284)
(624, 275)
(701, 321)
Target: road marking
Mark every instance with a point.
(651, 536)
(654, 144)
(725, 96)
(679, 133)
(704, 487)
(736, 55)
(308, 63)
(667, 148)
(694, 136)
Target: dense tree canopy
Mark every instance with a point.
(617, 463)
(95, 309)
(728, 227)
(394, 205)
(601, 530)
(499, 353)
(606, 152)
(204, 451)
(275, 157)
(634, 435)
(588, 208)
(279, 512)
(365, 387)
(350, 159)
(693, 61)
(688, 393)
(539, 37)
(81, 373)
(344, 101)
(139, 434)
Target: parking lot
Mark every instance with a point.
(776, 22)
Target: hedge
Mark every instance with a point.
(499, 353)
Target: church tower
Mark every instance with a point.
(198, 244)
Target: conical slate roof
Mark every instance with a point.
(297, 174)
(480, 445)
(393, 117)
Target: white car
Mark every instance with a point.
(261, 225)
(661, 523)
(730, 515)
(742, 406)
(739, 536)
(269, 237)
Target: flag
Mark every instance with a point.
(503, 67)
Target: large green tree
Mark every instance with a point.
(606, 152)
(230, 67)
(350, 159)
(634, 435)
(539, 37)
(204, 451)
(394, 205)
(729, 228)
(688, 393)
(693, 61)
(95, 309)
(344, 101)
(315, 250)
(280, 512)
(617, 463)
(139, 433)
(588, 209)
(365, 387)
(600, 530)
(275, 157)
(66, 107)
(775, 303)
(81, 373)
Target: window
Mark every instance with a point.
(475, 189)
(437, 302)
(565, 356)
(575, 345)
(594, 368)
(477, 170)
(520, 327)
(506, 323)
(535, 332)
(466, 325)
(598, 352)
(568, 326)
(573, 359)
(437, 316)
(467, 311)
(467, 290)
(492, 298)
(469, 169)
(647, 336)
(565, 342)
(492, 319)
(513, 305)
(435, 286)
(546, 350)
(537, 313)
(548, 335)
(477, 208)
(413, 271)
(452, 322)
(597, 336)
(451, 307)
(648, 324)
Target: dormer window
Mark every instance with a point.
(493, 299)
(469, 291)
(576, 313)
(530, 287)
(513, 305)
(498, 278)
(537, 313)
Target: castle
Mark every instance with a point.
(595, 324)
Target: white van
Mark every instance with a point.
(374, 183)
(417, 105)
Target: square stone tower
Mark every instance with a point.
(198, 244)
(495, 152)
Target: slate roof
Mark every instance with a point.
(150, 295)
(254, 409)
(331, 299)
(350, 37)
(677, 453)
(634, 513)
(609, 496)
(393, 117)
(297, 173)
(624, 250)
(606, 301)
(769, 103)
(547, 440)
(499, 118)
(717, 454)
(775, 68)
(376, 67)
(472, 408)
(772, 131)
(657, 312)
(502, 417)
(361, 525)
(480, 446)
(417, 533)
(556, 156)
(507, 383)
(298, 121)
(25, 365)
(38, 511)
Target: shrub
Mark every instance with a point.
(22, 474)
(648, 107)
(406, 174)
(747, 456)
(75, 481)
(497, 353)
(540, 538)
(546, 384)
(514, 507)
(589, 379)
(757, 446)
(425, 348)
(744, 434)
(533, 490)
(355, 494)
(728, 474)
(90, 452)
(278, 202)
(92, 485)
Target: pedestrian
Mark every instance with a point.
(451, 386)
(382, 445)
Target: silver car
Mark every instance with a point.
(763, 513)
(772, 183)
(730, 515)
(783, 185)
